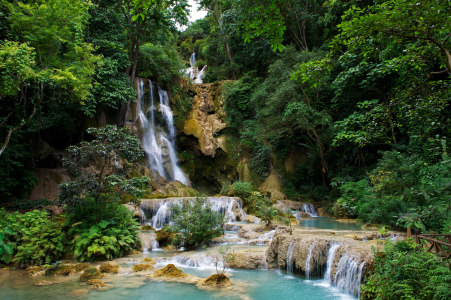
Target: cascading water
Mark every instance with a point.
(290, 256)
(309, 208)
(193, 72)
(266, 238)
(159, 210)
(330, 261)
(349, 274)
(158, 141)
(309, 259)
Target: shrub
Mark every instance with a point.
(242, 189)
(403, 272)
(39, 238)
(195, 224)
(104, 240)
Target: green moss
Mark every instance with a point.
(142, 267)
(147, 227)
(91, 273)
(109, 268)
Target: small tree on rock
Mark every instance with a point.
(196, 224)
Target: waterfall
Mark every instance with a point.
(143, 217)
(160, 212)
(309, 259)
(330, 262)
(193, 72)
(158, 141)
(349, 274)
(200, 75)
(309, 208)
(155, 245)
(290, 256)
(266, 237)
(192, 59)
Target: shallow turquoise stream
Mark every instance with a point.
(252, 284)
(249, 284)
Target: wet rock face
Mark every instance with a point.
(47, 185)
(207, 118)
(308, 254)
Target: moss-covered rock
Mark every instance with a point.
(217, 280)
(142, 267)
(81, 266)
(170, 271)
(164, 236)
(96, 283)
(149, 260)
(109, 268)
(91, 273)
(35, 270)
(65, 270)
(147, 228)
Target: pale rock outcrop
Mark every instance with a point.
(47, 183)
(272, 186)
(207, 118)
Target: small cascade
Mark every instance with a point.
(158, 141)
(310, 209)
(309, 259)
(266, 238)
(143, 217)
(193, 72)
(290, 256)
(160, 213)
(330, 262)
(155, 245)
(349, 274)
(200, 260)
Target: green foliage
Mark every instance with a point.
(6, 247)
(195, 224)
(161, 64)
(111, 153)
(242, 189)
(38, 238)
(402, 272)
(107, 239)
(400, 184)
(261, 206)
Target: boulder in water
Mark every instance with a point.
(91, 273)
(217, 280)
(96, 283)
(170, 271)
(142, 267)
(149, 260)
(109, 268)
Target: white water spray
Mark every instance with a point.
(158, 141)
(290, 256)
(349, 274)
(330, 262)
(309, 259)
(310, 209)
(193, 72)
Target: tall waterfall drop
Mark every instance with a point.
(158, 138)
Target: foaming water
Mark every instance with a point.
(160, 213)
(158, 140)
